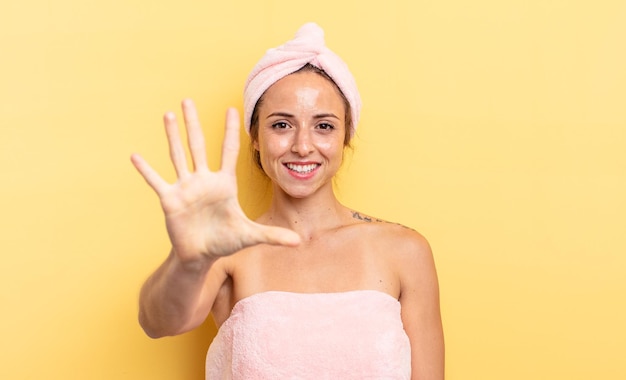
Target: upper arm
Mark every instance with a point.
(421, 316)
(211, 292)
(223, 287)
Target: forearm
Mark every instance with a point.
(171, 298)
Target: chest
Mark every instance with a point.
(321, 266)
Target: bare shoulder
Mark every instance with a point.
(406, 249)
(404, 240)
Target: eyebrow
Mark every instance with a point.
(317, 116)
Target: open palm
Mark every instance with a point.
(202, 212)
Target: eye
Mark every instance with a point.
(280, 125)
(325, 126)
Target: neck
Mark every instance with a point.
(309, 217)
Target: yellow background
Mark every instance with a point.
(496, 128)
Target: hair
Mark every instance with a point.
(254, 119)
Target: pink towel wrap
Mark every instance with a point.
(282, 335)
(307, 47)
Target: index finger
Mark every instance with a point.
(230, 147)
(153, 179)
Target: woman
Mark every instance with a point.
(312, 289)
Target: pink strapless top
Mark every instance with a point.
(282, 335)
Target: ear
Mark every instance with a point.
(255, 145)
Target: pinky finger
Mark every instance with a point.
(149, 175)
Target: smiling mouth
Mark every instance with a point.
(302, 169)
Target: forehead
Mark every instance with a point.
(303, 89)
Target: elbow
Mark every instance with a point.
(155, 330)
(153, 334)
(150, 328)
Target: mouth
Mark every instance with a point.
(302, 168)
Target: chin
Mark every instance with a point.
(299, 192)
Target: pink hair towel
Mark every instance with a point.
(281, 335)
(307, 47)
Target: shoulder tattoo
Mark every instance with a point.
(367, 219)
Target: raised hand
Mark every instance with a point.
(203, 217)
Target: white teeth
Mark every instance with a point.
(302, 169)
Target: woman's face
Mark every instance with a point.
(301, 133)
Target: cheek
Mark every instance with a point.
(326, 146)
(273, 146)
(331, 148)
(282, 144)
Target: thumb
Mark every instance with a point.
(279, 236)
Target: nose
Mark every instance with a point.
(303, 142)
